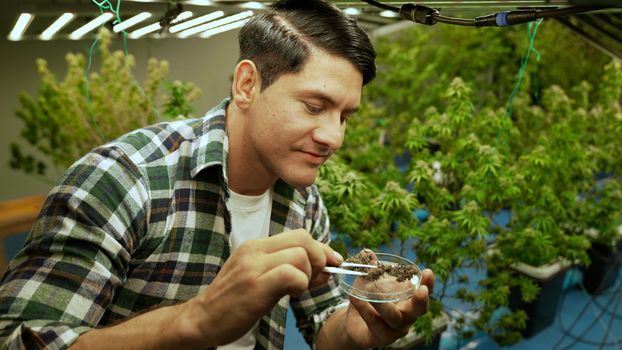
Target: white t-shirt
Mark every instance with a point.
(250, 219)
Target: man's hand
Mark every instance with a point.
(254, 279)
(369, 325)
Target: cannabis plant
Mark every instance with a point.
(70, 117)
(563, 144)
(426, 141)
(456, 170)
(417, 65)
(599, 208)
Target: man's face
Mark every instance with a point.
(299, 121)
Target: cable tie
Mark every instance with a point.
(502, 19)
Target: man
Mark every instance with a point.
(197, 234)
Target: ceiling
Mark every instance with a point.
(604, 25)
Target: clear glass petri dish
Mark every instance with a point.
(387, 288)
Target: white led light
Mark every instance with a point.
(183, 16)
(253, 5)
(221, 29)
(101, 19)
(194, 22)
(200, 2)
(352, 11)
(56, 26)
(145, 30)
(218, 23)
(388, 13)
(22, 23)
(131, 22)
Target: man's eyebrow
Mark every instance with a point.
(328, 100)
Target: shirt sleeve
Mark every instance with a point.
(313, 307)
(77, 254)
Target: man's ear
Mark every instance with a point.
(246, 83)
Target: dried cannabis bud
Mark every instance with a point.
(366, 256)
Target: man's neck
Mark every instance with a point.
(245, 174)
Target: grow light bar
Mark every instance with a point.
(199, 20)
(253, 5)
(215, 24)
(182, 17)
(22, 23)
(145, 30)
(98, 21)
(352, 11)
(56, 26)
(200, 2)
(222, 29)
(388, 14)
(131, 22)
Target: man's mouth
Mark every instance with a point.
(316, 158)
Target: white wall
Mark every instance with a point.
(208, 63)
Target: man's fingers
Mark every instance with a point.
(377, 326)
(295, 256)
(403, 314)
(273, 257)
(284, 279)
(417, 305)
(288, 239)
(427, 278)
(367, 312)
(319, 279)
(391, 315)
(420, 302)
(319, 254)
(333, 258)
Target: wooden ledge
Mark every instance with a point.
(18, 215)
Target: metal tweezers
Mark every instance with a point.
(343, 270)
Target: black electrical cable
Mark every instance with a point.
(429, 16)
(611, 321)
(383, 6)
(581, 337)
(566, 331)
(502, 19)
(614, 267)
(456, 21)
(419, 14)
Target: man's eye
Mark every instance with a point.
(313, 109)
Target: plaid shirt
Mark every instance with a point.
(141, 222)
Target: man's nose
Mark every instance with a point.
(330, 132)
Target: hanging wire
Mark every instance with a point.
(104, 6)
(107, 6)
(532, 30)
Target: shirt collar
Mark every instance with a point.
(211, 147)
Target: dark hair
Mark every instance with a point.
(281, 40)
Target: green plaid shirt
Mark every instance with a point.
(141, 222)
